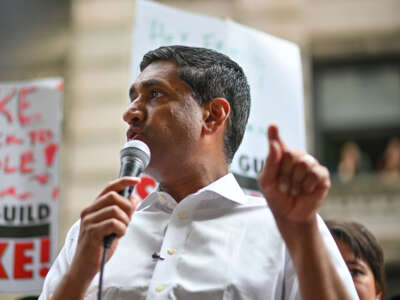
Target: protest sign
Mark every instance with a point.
(272, 66)
(30, 135)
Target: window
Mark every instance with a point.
(357, 114)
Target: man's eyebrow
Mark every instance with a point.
(146, 84)
(151, 82)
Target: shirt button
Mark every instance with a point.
(182, 215)
(160, 288)
(171, 251)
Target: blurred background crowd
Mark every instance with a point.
(351, 70)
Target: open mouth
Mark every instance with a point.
(132, 134)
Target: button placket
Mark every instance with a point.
(162, 198)
(182, 215)
(166, 201)
(174, 239)
(160, 288)
(171, 251)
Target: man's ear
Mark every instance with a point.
(215, 114)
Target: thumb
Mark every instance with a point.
(271, 169)
(273, 161)
(273, 135)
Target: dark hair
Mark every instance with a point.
(364, 246)
(210, 75)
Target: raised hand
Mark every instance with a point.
(292, 181)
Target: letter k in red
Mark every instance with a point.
(3, 102)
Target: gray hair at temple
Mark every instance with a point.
(211, 74)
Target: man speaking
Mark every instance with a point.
(198, 236)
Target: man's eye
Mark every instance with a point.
(132, 97)
(155, 93)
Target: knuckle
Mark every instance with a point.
(114, 223)
(327, 184)
(312, 175)
(90, 231)
(309, 160)
(84, 222)
(302, 164)
(287, 157)
(113, 194)
(114, 210)
(84, 212)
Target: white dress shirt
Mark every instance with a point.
(217, 243)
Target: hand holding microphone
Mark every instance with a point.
(108, 216)
(135, 156)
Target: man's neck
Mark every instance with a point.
(190, 181)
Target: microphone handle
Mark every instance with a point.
(127, 169)
(108, 239)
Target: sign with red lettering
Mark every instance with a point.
(30, 135)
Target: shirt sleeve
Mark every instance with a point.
(291, 289)
(61, 264)
(337, 259)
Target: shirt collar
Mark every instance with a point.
(226, 187)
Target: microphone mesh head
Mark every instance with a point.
(136, 149)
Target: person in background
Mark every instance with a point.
(363, 256)
(390, 171)
(352, 162)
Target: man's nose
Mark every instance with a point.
(134, 115)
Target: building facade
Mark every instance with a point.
(351, 68)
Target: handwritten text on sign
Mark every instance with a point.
(30, 119)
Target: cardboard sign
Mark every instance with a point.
(30, 135)
(272, 67)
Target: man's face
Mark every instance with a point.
(163, 114)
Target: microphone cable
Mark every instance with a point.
(106, 246)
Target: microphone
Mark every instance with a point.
(135, 157)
